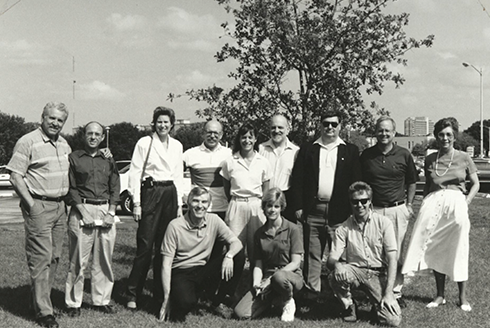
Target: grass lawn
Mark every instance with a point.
(14, 290)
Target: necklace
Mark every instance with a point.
(448, 166)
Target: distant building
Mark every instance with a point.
(418, 126)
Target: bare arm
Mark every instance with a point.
(388, 299)
(166, 281)
(265, 186)
(294, 264)
(411, 188)
(475, 186)
(20, 188)
(227, 265)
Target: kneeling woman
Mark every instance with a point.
(277, 275)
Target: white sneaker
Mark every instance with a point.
(288, 311)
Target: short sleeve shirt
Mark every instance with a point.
(449, 176)
(190, 245)
(365, 247)
(388, 174)
(42, 163)
(246, 181)
(275, 251)
(205, 165)
(281, 163)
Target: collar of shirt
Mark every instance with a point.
(237, 156)
(204, 148)
(270, 144)
(364, 223)
(192, 226)
(282, 228)
(47, 139)
(390, 152)
(83, 152)
(331, 145)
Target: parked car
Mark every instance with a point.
(126, 201)
(4, 177)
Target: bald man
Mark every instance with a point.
(205, 163)
(93, 195)
(281, 154)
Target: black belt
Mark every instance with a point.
(391, 204)
(95, 201)
(380, 269)
(49, 199)
(163, 183)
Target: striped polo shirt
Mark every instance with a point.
(43, 163)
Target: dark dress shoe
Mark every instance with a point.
(73, 312)
(401, 302)
(47, 321)
(349, 314)
(107, 309)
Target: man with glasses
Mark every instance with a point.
(391, 172)
(363, 256)
(204, 163)
(323, 171)
(93, 196)
(281, 154)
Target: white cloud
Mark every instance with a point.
(446, 55)
(127, 23)
(98, 90)
(195, 79)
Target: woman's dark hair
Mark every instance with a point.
(159, 111)
(243, 130)
(444, 123)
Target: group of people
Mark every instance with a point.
(246, 202)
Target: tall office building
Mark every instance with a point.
(418, 126)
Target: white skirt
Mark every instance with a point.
(440, 237)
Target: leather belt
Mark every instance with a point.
(244, 199)
(49, 199)
(95, 201)
(391, 204)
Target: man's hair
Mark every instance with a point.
(93, 122)
(444, 123)
(197, 191)
(383, 118)
(331, 113)
(56, 105)
(159, 111)
(360, 186)
(243, 130)
(274, 195)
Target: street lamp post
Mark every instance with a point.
(480, 72)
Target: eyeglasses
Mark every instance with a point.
(326, 124)
(363, 201)
(212, 133)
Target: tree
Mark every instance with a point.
(298, 57)
(474, 132)
(420, 148)
(12, 127)
(190, 135)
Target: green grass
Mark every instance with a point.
(14, 291)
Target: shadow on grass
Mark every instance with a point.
(17, 301)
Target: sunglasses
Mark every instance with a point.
(363, 201)
(326, 124)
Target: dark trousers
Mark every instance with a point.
(159, 207)
(187, 285)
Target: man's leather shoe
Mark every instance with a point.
(73, 312)
(47, 321)
(107, 309)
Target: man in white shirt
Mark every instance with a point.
(323, 171)
(205, 162)
(281, 153)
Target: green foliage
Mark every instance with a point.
(190, 135)
(474, 132)
(12, 127)
(122, 139)
(420, 148)
(300, 57)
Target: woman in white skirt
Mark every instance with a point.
(440, 238)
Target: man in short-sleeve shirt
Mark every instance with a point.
(187, 264)
(363, 255)
(391, 173)
(39, 175)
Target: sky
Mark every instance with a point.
(126, 56)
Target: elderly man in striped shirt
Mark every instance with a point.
(39, 174)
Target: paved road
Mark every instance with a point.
(10, 211)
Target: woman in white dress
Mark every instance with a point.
(440, 238)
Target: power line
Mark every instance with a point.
(484, 9)
(4, 11)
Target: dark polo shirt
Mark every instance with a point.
(275, 251)
(388, 174)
